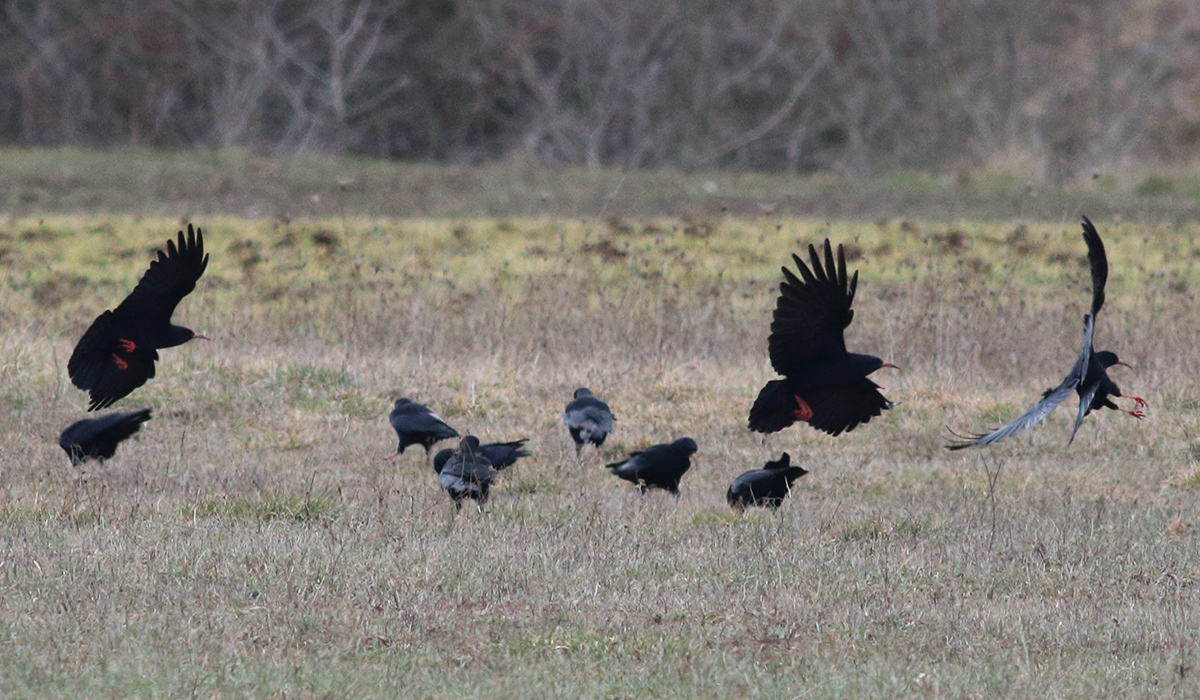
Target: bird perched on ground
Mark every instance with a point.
(417, 425)
(467, 474)
(97, 438)
(659, 467)
(502, 455)
(117, 353)
(1088, 377)
(764, 487)
(823, 384)
(588, 419)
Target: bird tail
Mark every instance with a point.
(774, 409)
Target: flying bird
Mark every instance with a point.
(417, 425)
(659, 467)
(117, 353)
(467, 474)
(764, 487)
(1088, 377)
(502, 455)
(823, 384)
(97, 438)
(588, 419)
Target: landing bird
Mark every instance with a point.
(1088, 377)
(117, 353)
(659, 467)
(97, 438)
(764, 487)
(502, 455)
(823, 384)
(588, 419)
(417, 425)
(467, 474)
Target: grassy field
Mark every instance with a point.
(251, 543)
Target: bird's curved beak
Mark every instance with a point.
(200, 336)
(889, 365)
(1124, 364)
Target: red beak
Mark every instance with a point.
(200, 337)
(889, 365)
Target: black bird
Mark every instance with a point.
(117, 353)
(588, 419)
(823, 384)
(417, 425)
(1088, 377)
(467, 474)
(97, 438)
(502, 455)
(660, 467)
(764, 487)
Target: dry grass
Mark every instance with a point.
(250, 543)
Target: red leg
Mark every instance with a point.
(121, 364)
(1141, 403)
(803, 411)
(129, 345)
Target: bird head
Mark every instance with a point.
(1109, 358)
(582, 391)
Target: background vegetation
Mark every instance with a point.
(251, 543)
(1060, 88)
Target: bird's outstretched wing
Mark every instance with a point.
(842, 409)
(1085, 405)
(1099, 264)
(171, 277)
(1041, 409)
(812, 312)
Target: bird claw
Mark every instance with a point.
(121, 364)
(1139, 401)
(804, 412)
(1136, 413)
(127, 345)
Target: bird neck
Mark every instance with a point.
(178, 335)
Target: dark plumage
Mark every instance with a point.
(588, 419)
(660, 467)
(117, 353)
(97, 438)
(1088, 377)
(417, 425)
(764, 487)
(823, 384)
(502, 455)
(467, 474)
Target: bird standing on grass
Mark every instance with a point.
(117, 353)
(417, 425)
(764, 487)
(659, 467)
(97, 438)
(588, 419)
(1088, 377)
(823, 384)
(467, 474)
(502, 455)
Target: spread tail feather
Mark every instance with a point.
(774, 409)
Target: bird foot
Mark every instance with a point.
(391, 457)
(1136, 413)
(121, 364)
(128, 345)
(1139, 401)
(804, 412)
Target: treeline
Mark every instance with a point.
(793, 85)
